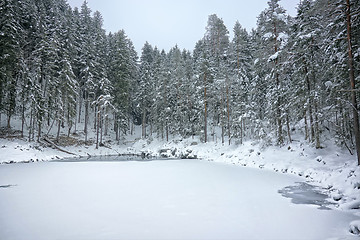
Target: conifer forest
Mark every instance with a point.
(59, 68)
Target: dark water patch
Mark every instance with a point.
(7, 186)
(121, 158)
(304, 193)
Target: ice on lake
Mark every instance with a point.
(178, 199)
(305, 193)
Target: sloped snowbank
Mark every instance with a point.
(331, 168)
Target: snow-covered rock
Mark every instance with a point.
(355, 227)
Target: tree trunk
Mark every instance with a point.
(97, 129)
(69, 120)
(288, 127)
(119, 133)
(95, 116)
(106, 124)
(306, 126)
(279, 123)
(75, 124)
(244, 127)
(228, 112)
(241, 130)
(213, 130)
(58, 131)
(86, 117)
(48, 117)
(33, 127)
(310, 102)
(101, 123)
(205, 106)
(162, 131)
(144, 123)
(22, 119)
(278, 104)
(315, 103)
(132, 128)
(151, 128)
(167, 131)
(222, 118)
(80, 104)
(30, 124)
(70, 124)
(116, 126)
(352, 82)
(39, 130)
(317, 130)
(8, 120)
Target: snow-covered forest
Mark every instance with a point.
(59, 68)
(116, 126)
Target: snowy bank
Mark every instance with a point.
(332, 168)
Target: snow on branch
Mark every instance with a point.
(274, 57)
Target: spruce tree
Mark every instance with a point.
(241, 54)
(145, 85)
(11, 40)
(272, 26)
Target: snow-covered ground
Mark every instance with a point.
(331, 168)
(163, 199)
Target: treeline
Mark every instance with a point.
(58, 66)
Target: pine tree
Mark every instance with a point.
(344, 15)
(45, 58)
(217, 42)
(214, 59)
(240, 59)
(258, 102)
(306, 55)
(162, 90)
(272, 25)
(145, 85)
(87, 62)
(190, 105)
(122, 72)
(203, 77)
(11, 61)
(176, 97)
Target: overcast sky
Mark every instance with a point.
(164, 23)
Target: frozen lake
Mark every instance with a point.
(163, 199)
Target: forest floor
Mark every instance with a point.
(333, 169)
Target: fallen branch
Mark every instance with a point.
(57, 147)
(103, 145)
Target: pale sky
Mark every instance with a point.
(165, 23)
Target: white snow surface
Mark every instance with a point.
(163, 199)
(331, 168)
